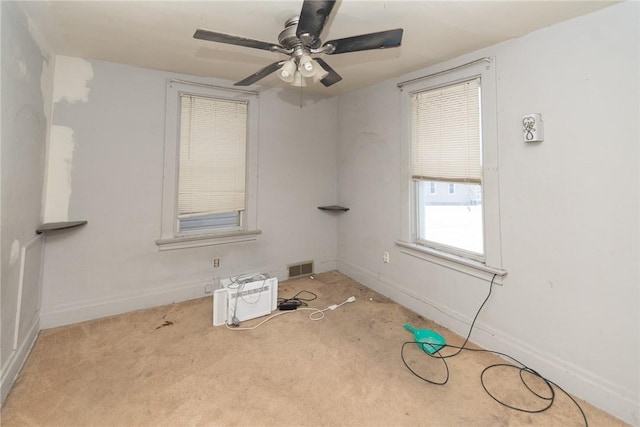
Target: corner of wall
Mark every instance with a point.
(23, 138)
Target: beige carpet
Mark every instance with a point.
(168, 366)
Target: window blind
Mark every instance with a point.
(445, 133)
(213, 134)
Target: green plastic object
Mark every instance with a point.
(428, 340)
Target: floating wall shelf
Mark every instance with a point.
(334, 208)
(53, 226)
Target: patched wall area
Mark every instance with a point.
(71, 87)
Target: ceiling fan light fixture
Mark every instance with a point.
(320, 74)
(288, 71)
(298, 80)
(307, 66)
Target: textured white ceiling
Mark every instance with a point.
(159, 34)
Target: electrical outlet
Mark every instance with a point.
(385, 257)
(207, 289)
(216, 262)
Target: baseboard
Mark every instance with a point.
(16, 360)
(598, 391)
(66, 314)
(51, 317)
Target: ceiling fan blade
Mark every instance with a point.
(260, 74)
(313, 17)
(332, 77)
(229, 39)
(380, 40)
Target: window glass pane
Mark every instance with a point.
(220, 220)
(451, 219)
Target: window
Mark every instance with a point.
(211, 171)
(210, 176)
(446, 147)
(451, 145)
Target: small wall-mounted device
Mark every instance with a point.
(532, 128)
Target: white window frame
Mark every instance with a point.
(491, 262)
(170, 237)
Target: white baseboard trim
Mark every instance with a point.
(51, 317)
(598, 391)
(66, 314)
(16, 360)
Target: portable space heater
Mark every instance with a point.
(244, 300)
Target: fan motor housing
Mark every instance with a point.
(288, 38)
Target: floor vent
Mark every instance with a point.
(303, 269)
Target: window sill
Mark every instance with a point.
(463, 265)
(207, 240)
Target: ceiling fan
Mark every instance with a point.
(300, 39)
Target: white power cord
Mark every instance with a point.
(312, 316)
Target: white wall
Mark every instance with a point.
(23, 143)
(112, 264)
(569, 306)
